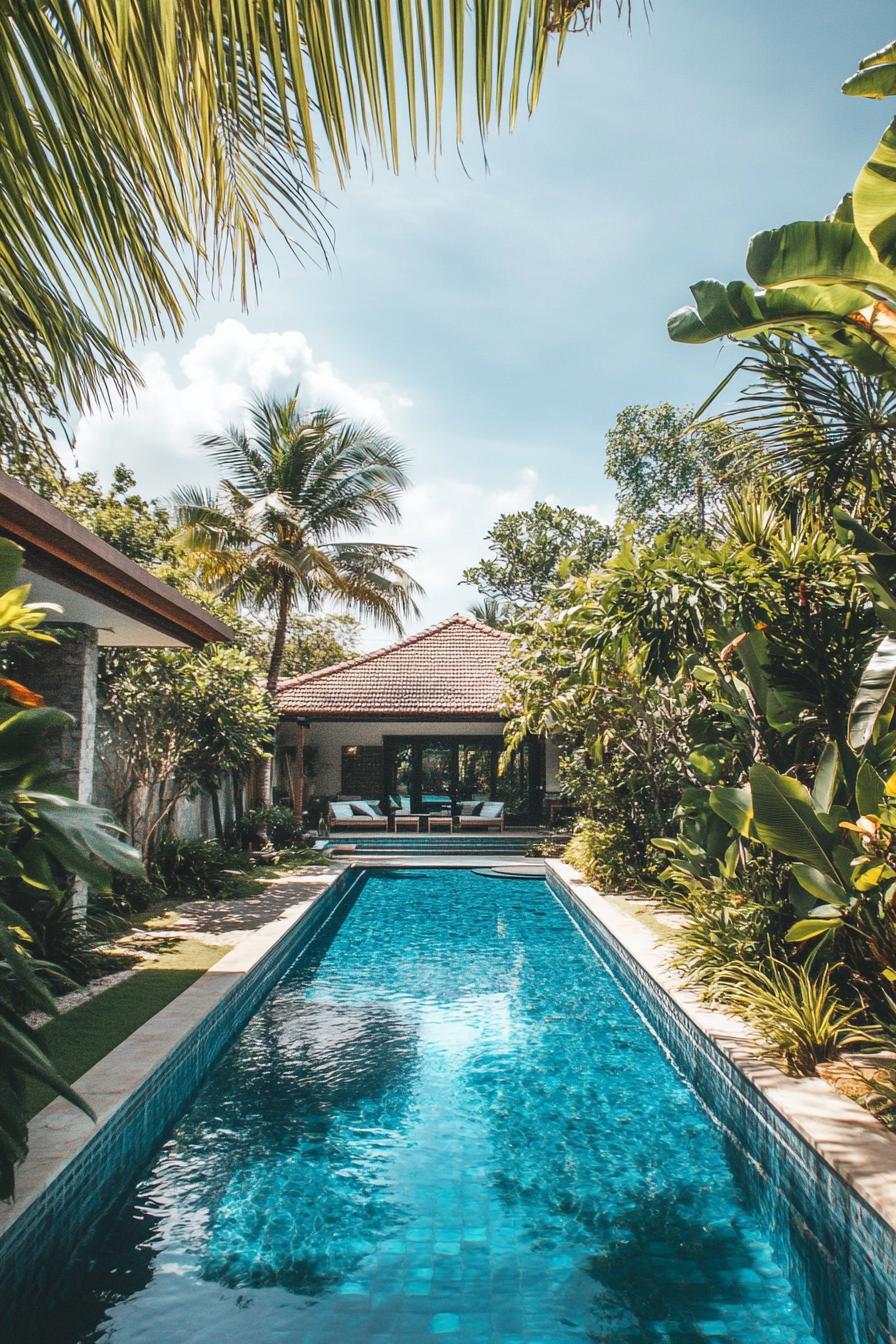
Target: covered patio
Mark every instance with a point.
(416, 729)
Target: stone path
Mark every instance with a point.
(224, 923)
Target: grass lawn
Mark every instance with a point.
(79, 1038)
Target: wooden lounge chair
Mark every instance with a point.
(360, 816)
(490, 816)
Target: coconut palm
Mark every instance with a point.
(143, 143)
(819, 427)
(284, 530)
(491, 612)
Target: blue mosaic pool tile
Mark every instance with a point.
(841, 1256)
(41, 1251)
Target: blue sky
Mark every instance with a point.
(495, 320)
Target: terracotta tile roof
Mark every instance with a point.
(449, 671)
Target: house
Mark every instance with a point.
(420, 721)
(106, 600)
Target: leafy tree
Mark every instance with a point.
(666, 468)
(161, 140)
(528, 550)
(175, 722)
(140, 528)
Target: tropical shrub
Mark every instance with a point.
(193, 870)
(280, 824)
(799, 1012)
(598, 850)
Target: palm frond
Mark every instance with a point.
(149, 147)
(818, 425)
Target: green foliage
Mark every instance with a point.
(813, 427)
(194, 870)
(666, 468)
(141, 529)
(491, 611)
(174, 722)
(798, 1011)
(279, 823)
(734, 914)
(598, 850)
(830, 281)
(530, 550)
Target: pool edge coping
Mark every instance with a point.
(60, 1132)
(849, 1139)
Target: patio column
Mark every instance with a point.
(298, 784)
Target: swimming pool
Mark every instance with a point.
(447, 1122)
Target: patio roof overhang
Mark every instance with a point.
(95, 584)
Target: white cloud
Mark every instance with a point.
(445, 516)
(156, 433)
(447, 519)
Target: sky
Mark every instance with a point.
(494, 317)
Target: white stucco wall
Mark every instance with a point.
(551, 761)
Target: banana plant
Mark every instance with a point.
(832, 280)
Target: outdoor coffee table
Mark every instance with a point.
(440, 823)
(407, 821)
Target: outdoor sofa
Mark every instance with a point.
(357, 816)
(481, 816)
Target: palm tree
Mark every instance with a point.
(491, 612)
(818, 428)
(146, 146)
(284, 529)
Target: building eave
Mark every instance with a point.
(63, 551)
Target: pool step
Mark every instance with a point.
(497, 845)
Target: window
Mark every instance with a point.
(362, 772)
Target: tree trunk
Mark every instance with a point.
(265, 768)
(700, 497)
(216, 816)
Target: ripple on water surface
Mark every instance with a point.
(448, 1124)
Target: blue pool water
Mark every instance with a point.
(447, 1123)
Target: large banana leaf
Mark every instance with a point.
(874, 198)
(786, 821)
(821, 252)
(734, 806)
(827, 776)
(836, 317)
(873, 695)
(876, 75)
(826, 889)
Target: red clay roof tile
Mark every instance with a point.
(448, 671)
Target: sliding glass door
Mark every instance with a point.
(437, 773)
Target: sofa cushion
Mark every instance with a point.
(341, 811)
(492, 810)
(470, 809)
(362, 809)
